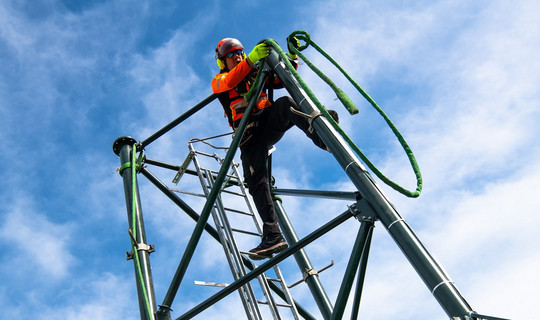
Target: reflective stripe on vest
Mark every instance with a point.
(239, 105)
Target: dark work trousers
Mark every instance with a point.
(271, 124)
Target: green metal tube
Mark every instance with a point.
(361, 274)
(177, 121)
(123, 147)
(423, 262)
(313, 281)
(267, 265)
(338, 195)
(196, 235)
(350, 272)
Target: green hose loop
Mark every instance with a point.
(349, 105)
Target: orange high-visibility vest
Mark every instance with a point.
(229, 82)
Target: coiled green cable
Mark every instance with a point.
(349, 105)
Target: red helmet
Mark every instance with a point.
(227, 45)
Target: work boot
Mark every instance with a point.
(270, 244)
(334, 115)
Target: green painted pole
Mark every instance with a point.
(350, 271)
(429, 270)
(123, 147)
(177, 121)
(338, 195)
(197, 232)
(312, 280)
(361, 274)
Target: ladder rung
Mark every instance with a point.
(274, 280)
(247, 232)
(211, 284)
(205, 154)
(234, 193)
(228, 191)
(227, 175)
(239, 211)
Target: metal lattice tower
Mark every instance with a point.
(368, 205)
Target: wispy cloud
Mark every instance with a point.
(459, 80)
(38, 246)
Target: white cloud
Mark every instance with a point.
(97, 305)
(101, 297)
(43, 247)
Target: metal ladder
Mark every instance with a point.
(231, 222)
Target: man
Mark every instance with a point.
(269, 121)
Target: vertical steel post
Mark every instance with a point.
(423, 262)
(313, 281)
(123, 147)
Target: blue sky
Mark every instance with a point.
(458, 78)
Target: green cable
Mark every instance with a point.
(124, 167)
(134, 226)
(302, 35)
(258, 79)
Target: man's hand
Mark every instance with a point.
(294, 43)
(260, 51)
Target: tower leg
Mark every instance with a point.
(362, 241)
(123, 147)
(313, 282)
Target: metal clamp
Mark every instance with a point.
(308, 273)
(316, 113)
(140, 246)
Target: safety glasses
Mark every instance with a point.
(231, 54)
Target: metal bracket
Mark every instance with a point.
(183, 167)
(163, 313)
(140, 246)
(316, 113)
(362, 210)
(310, 272)
(354, 210)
